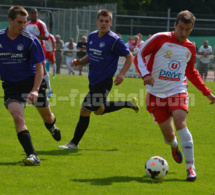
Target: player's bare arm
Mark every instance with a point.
(149, 80)
(33, 95)
(82, 61)
(127, 65)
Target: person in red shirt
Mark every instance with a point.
(39, 29)
(164, 62)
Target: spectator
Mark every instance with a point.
(82, 46)
(130, 39)
(135, 44)
(140, 38)
(58, 53)
(70, 55)
(204, 60)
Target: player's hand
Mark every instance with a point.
(32, 97)
(211, 97)
(149, 80)
(119, 79)
(75, 62)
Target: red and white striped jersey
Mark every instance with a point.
(38, 28)
(50, 42)
(169, 62)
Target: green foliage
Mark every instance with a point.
(112, 152)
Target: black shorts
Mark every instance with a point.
(18, 91)
(97, 95)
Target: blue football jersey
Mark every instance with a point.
(19, 56)
(104, 53)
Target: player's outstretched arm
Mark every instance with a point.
(211, 97)
(82, 61)
(127, 65)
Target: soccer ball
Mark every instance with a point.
(156, 167)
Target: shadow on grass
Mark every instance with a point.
(11, 163)
(57, 152)
(62, 152)
(121, 179)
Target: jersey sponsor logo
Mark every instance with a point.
(102, 44)
(91, 42)
(171, 75)
(174, 65)
(187, 55)
(20, 47)
(168, 54)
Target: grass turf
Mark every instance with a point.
(113, 151)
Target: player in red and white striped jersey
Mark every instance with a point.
(39, 29)
(50, 45)
(164, 61)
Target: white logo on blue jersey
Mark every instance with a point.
(20, 47)
(1, 46)
(102, 44)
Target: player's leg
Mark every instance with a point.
(16, 109)
(186, 142)
(53, 62)
(54, 69)
(48, 84)
(49, 121)
(68, 62)
(80, 68)
(100, 93)
(158, 107)
(80, 129)
(42, 105)
(168, 132)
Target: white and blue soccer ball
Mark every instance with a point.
(156, 167)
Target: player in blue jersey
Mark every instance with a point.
(103, 50)
(21, 71)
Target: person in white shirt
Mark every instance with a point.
(70, 55)
(204, 60)
(164, 62)
(130, 39)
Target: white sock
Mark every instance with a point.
(54, 69)
(187, 146)
(46, 78)
(173, 143)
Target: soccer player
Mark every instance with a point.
(39, 29)
(50, 45)
(103, 50)
(164, 61)
(21, 71)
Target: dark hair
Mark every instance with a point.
(33, 9)
(15, 10)
(104, 12)
(186, 17)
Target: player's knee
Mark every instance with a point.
(180, 124)
(18, 118)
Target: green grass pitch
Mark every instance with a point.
(113, 151)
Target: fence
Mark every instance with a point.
(65, 22)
